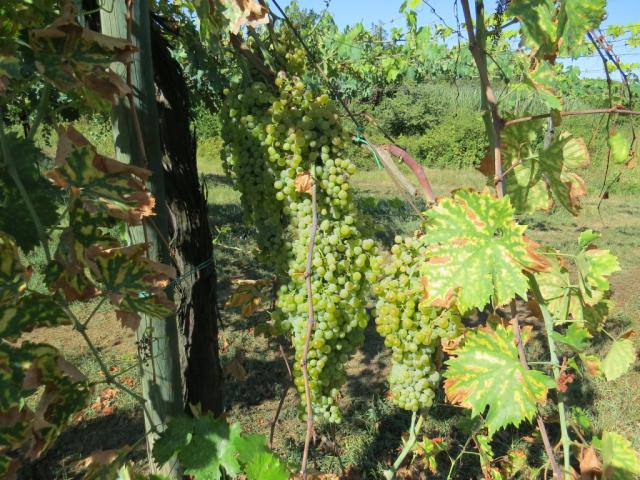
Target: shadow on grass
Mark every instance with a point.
(108, 432)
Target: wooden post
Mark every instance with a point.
(158, 337)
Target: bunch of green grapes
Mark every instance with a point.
(279, 140)
(245, 119)
(411, 328)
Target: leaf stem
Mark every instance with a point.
(310, 323)
(45, 96)
(523, 360)
(416, 425)
(548, 323)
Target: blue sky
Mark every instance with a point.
(347, 12)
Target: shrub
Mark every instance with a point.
(458, 142)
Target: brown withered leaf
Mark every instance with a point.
(487, 165)
(245, 12)
(590, 466)
(236, 370)
(303, 182)
(564, 380)
(450, 345)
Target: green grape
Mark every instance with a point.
(411, 328)
(273, 135)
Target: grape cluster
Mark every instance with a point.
(412, 329)
(278, 139)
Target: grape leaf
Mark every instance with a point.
(78, 60)
(245, 12)
(619, 147)
(575, 337)
(476, 253)
(13, 274)
(544, 81)
(594, 266)
(43, 195)
(101, 183)
(31, 311)
(266, 466)
(486, 372)
(211, 447)
(619, 359)
(538, 24)
(541, 177)
(175, 437)
(620, 460)
(67, 273)
(576, 18)
(133, 283)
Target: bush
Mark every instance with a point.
(413, 108)
(458, 142)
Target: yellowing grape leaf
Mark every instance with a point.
(133, 283)
(486, 372)
(619, 459)
(78, 60)
(538, 24)
(576, 18)
(544, 81)
(594, 268)
(101, 183)
(539, 177)
(476, 252)
(588, 303)
(619, 359)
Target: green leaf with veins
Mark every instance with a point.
(565, 299)
(211, 447)
(619, 359)
(576, 337)
(42, 194)
(266, 466)
(537, 20)
(475, 252)
(619, 458)
(486, 373)
(594, 268)
(175, 437)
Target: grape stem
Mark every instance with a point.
(523, 360)
(390, 474)
(282, 398)
(548, 323)
(310, 324)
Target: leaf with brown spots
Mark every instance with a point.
(486, 373)
(476, 253)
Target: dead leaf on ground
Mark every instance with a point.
(236, 370)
